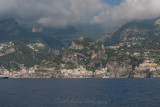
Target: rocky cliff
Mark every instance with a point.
(118, 69)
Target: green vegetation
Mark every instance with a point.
(70, 65)
(24, 55)
(90, 68)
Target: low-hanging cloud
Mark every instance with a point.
(67, 12)
(51, 12)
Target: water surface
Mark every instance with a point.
(80, 93)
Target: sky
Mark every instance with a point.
(112, 2)
(67, 12)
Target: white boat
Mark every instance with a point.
(3, 77)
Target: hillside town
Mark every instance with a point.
(129, 51)
(81, 72)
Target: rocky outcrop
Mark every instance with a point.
(11, 50)
(76, 46)
(69, 58)
(146, 74)
(94, 55)
(147, 69)
(119, 69)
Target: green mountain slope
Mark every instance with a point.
(21, 53)
(56, 38)
(137, 28)
(30, 44)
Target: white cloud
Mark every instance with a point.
(64, 12)
(129, 10)
(51, 12)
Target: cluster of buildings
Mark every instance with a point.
(36, 46)
(76, 73)
(131, 42)
(37, 29)
(24, 72)
(81, 72)
(6, 45)
(116, 47)
(148, 65)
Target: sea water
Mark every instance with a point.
(80, 93)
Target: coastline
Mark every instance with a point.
(76, 78)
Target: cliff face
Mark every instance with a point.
(118, 69)
(147, 73)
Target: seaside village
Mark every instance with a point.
(24, 72)
(81, 72)
(34, 72)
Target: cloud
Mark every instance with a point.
(68, 12)
(129, 10)
(51, 12)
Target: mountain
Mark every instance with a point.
(93, 31)
(138, 36)
(130, 50)
(83, 52)
(57, 38)
(27, 45)
(16, 54)
(87, 58)
(148, 29)
(139, 42)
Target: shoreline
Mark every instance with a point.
(84, 78)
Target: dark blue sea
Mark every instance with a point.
(80, 93)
